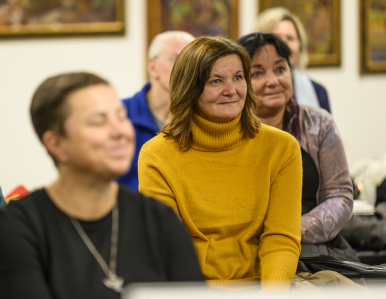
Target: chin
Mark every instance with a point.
(275, 104)
(117, 169)
(229, 116)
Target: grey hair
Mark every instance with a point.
(161, 39)
(269, 18)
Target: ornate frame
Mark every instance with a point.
(156, 21)
(329, 40)
(370, 34)
(26, 27)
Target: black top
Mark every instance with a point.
(42, 255)
(310, 183)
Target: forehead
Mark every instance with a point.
(92, 98)
(265, 56)
(174, 46)
(285, 27)
(230, 62)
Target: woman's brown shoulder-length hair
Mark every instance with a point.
(189, 76)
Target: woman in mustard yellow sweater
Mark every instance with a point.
(235, 183)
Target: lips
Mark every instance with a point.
(228, 103)
(118, 150)
(272, 93)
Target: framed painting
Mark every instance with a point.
(372, 36)
(321, 20)
(198, 17)
(42, 17)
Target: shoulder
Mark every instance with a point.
(318, 87)
(136, 99)
(30, 204)
(138, 203)
(276, 135)
(277, 144)
(160, 145)
(317, 122)
(25, 215)
(308, 113)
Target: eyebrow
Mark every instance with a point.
(218, 76)
(276, 62)
(103, 114)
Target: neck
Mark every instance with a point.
(158, 99)
(216, 137)
(274, 120)
(83, 197)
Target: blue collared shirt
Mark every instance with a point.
(145, 128)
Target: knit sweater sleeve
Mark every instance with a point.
(152, 182)
(325, 221)
(280, 241)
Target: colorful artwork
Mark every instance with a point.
(321, 20)
(24, 17)
(373, 35)
(198, 17)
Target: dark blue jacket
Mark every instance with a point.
(145, 128)
(321, 92)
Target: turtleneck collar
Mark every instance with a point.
(216, 137)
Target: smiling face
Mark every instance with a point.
(271, 81)
(287, 32)
(224, 93)
(99, 138)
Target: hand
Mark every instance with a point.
(303, 232)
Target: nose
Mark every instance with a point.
(271, 79)
(118, 128)
(229, 89)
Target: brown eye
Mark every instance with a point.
(256, 74)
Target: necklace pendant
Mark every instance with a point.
(114, 282)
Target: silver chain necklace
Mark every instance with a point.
(112, 281)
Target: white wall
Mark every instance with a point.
(358, 103)
(24, 63)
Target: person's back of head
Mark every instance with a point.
(270, 18)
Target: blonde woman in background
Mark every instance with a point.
(289, 28)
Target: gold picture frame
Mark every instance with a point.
(372, 36)
(198, 17)
(321, 20)
(57, 17)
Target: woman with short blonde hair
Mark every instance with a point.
(268, 20)
(289, 28)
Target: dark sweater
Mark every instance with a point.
(42, 256)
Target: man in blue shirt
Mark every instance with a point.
(149, 108)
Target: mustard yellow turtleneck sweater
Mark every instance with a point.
(239, 198)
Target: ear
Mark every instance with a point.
(152, 68)
(53, 142)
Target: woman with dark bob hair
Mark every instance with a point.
(84, 236)
(235, 183)
(327, 198)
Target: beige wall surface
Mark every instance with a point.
(358, 102)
